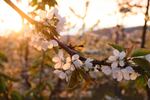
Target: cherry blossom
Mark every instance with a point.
(117, 59)
(148, 82)
(42, 44)
(117, 74)
(58, 60)
(88, 64)
(120, 74)
(76, 61)
(106, 70)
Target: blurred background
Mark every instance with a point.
(90, 25)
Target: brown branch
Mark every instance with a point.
(62, 45)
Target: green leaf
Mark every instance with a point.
(141, 81)
(74, 79)
(85, 75)
(3, 85)
(118, 47)
(143, 63)
(16, 96)
(140, 52)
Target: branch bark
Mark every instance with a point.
(145, 25)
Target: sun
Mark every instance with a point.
(9, 19)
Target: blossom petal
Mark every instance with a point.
(112, 58)
(56, 59)
(72, 68)
(57, 65)
(125, 74)
(121, 63)
(119, 76)
(54, 42)
(122, 55)
(129, 69)
(106, 70)
(114, 64)
(50, 45)
(68, 59)
(61, 54)
(78, 63)
(134, 75)
(116, 52)
(75, 57)
(66, 66)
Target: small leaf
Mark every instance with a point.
(140, 52)
(118, 47)
(16, 96)
(141, 81)
(85, 75)
(143, 63)
(74, 79)
(2, 85)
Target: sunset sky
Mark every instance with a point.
(103, 10)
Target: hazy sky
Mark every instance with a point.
(103, 10)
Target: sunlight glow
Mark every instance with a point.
(103, 10)
(9, 19)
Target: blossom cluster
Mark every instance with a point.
(48, 18)
(52, 18)
(118, 68)
(42, 44)
(65, 66)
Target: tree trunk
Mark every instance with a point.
(143, 38)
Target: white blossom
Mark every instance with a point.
(106, 70)
(58, 60)
(41, 44)
(148, 82)
(117, 58)
(67, 65)
(60, 74)
(125, 74)
(76, 61)
(117, 74)
(53, 11)
(88, 63)
(61, 20)
(129, 69)
(52, 43)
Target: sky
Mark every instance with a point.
(103, 10)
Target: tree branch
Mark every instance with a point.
(62, 45)
(21, 13)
